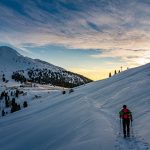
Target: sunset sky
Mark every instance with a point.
(90, 37)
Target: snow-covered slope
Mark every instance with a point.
(86, 119)
(10, 59)
(40, 71)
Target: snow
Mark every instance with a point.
(11, 60)
(84, 119)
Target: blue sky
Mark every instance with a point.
(91, 37)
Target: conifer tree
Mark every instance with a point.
(25, 104)
(109, 74)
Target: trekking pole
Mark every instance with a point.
(120, 128)
(132, 133)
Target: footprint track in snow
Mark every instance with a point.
(132, 143)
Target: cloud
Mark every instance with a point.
(128, 56)
(117, 28)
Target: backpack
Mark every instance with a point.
(125, 113)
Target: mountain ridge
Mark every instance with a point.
(36, 70)
(8, 54)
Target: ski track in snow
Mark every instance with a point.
(132, 143)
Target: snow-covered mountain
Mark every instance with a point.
(86, 119)
(40, 71)
(10, 59)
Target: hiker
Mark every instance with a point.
(126, 116)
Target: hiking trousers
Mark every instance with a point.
(126, 127)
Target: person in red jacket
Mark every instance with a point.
(126, 116)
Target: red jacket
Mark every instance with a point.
(125, 113)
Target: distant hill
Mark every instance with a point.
(22, 69)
